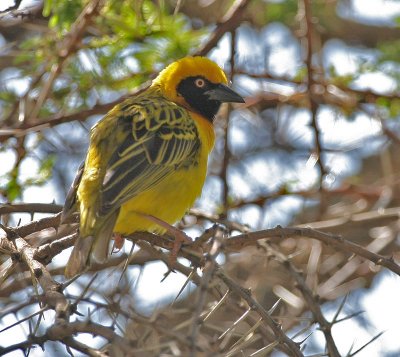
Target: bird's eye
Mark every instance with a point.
(200, 83)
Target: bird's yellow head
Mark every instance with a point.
(196, 83)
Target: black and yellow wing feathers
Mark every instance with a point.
(162, 138)
(141, 141)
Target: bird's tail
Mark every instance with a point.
(101, 246)
(79, 258)
(94, 246)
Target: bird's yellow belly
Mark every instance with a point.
(168, 201)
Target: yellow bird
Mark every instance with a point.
(147, 159)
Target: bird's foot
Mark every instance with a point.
(180, 237)
(118, 243)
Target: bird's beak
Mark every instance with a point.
(223, 93)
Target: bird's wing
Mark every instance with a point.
(162, 137)
(70, 201)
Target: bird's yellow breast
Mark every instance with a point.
(171, 197)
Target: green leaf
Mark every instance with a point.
(13, 189)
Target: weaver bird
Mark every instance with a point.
(147, 159)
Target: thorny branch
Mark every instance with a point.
(203, 256)
(228, 23)
(226, 128)
(201, 296)
(253, 304)
(64, 333)
(311, 301)
(52, 290)
(16, 5)
(312, 85)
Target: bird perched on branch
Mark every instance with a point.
(147, 159)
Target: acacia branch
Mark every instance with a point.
(30, 208)
(39, 124)
(247, 239)
(311, 300)
(230, 21)
(245, 294)
(201, 296)
(309, 37)
(64, 332)
(51, 289)
(239, 241)
(36, 226)
(16, 5)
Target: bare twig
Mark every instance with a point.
(12, 7)
(229, 22)
(30, 208)
(311, 300)
(246, 239)
(208, 273)
(51, 289)
(307, 24)
(246, 295)
(65, 331)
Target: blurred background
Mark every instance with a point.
(316, 145)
